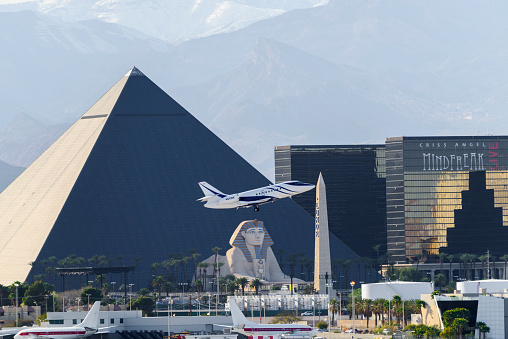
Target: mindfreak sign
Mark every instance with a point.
(461, 155)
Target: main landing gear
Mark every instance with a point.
(256, 208)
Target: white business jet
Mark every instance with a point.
(89, 326)
(216, 199)
(242, 325)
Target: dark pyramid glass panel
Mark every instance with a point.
(136, 195)
(479, 224)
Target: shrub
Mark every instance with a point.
(322, 325)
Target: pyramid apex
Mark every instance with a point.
(134, 72)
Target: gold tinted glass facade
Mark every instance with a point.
(425, 180)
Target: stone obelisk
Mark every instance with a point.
(322, 262)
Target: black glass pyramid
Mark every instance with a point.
(122, 182)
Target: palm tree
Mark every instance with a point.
(378, 308)
(242, 282)
(464, 258)
(155, 266)
(157, 283)
(473, 258)
(440, 280)
(367, 309)
(256, 284)
(483, 258)
(417, 258)
(442, 257)
(195, 255)
(397, 300)
(185, 260)
(216, 250)
(334, 308)
(482, 328)
(419, 304)
(494, 275)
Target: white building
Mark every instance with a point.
(405, 289)
(482, 286)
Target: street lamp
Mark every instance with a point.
(353, 304)
(17, 285)
(88, 304)
(113, 285)
(130, 296)
(209, 303)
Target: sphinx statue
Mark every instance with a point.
(251, 255)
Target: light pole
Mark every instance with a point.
(329, 326)
(78, 302)
(313, 312)
(17, 304)
(389, 310)
(88, 304)
(329, 304)
(403, 317)
(130, 296)
(169, 319)
(353, 304)
(113, 285)
(53, 302)
(340, 309)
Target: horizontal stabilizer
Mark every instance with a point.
(208, 198)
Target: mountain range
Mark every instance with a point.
(339, 72)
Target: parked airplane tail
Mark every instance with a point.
(209, 191)
(238, 317)
(92, 318)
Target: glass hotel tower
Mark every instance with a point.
(428, 185)
(354, 176)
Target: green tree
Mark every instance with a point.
(440, 281)
(145, 304)
(334, 308)
(459, 325)
(450, 315)
(95, 295)
(482, 328)
(256, 284)
(242, 282)
(157, 283)
(143, 291)
(36, 295)
(198, 284)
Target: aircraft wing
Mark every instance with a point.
(4, 332)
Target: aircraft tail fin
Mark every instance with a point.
(209, 191)
(92, 318)
(239, 318)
